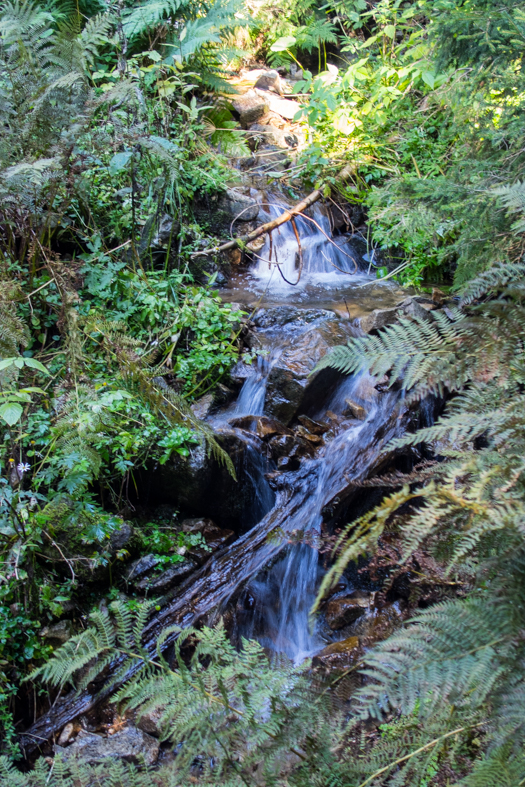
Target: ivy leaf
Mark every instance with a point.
(10, 412)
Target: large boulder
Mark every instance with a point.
(201, 485)
(292, 388)
(129, 744)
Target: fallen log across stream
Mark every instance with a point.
(353, 455)
(344, 175)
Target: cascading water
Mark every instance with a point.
(253, 393)
(326, 261)
(280, 598)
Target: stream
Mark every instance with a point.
(265, 582)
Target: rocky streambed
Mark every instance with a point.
(301, 441)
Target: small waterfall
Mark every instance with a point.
(256, 466)
(253, 393)
(280, 598)
(325, 260)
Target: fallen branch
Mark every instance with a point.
(307, 202)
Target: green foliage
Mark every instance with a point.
(463, 657)
(226, 705)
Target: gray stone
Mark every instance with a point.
(250, 107)
(282, 106)
(380, 318)
(202, 407)
(239, 206)
(270, 81)
(159, 583)
(377, 319)
(151, 722)
(130, 744)
(141, 566)
(240, 372)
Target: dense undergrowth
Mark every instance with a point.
(115, 125)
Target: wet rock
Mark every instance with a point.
(288, 464)
(380, 318)
(270, 135)
(354, 410)
(202, 485)
(238, 205)
(281, 445)
(202, 407)
(274, 155)
(314, 427)
(314, 439)
(140, 567)
(341, 612)
(59, 632)
(270, 81)
(291, 385)
(222, 395)
(250, 107)
(263, 426)
(129, 744)
(377, 319)
(240, 373)
(339, 655)
(160, 583)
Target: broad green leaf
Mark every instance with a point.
(6, 363)
(34, 364)
(119, 161)
(390, 31)
(283, 43)
(369, 42)
(11, 413)
(429, 78)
